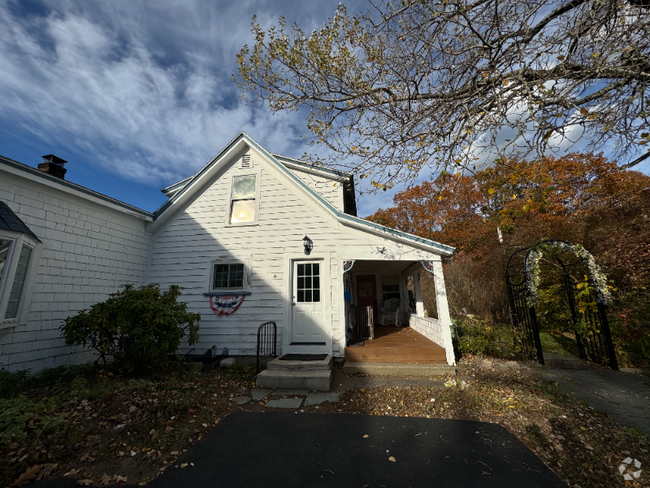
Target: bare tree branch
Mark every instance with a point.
(431, 84)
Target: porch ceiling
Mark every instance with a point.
(382, 267)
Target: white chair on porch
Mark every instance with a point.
(388, 314)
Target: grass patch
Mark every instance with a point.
(557, 343)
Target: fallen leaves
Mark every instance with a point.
(36, 472)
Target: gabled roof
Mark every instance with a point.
(11, 222)
(194, 184)
(330, 173)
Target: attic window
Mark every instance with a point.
(242, 203)
(246, 161)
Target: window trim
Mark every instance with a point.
(246, 282)
(255, 221)
(18, 240)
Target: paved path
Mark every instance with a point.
(291, 398)
(290, 449)
(285, 449)
(624, 396)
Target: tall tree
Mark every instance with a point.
(436, 83)
(583, 198)
(526, 199)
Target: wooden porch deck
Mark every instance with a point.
(397, 345)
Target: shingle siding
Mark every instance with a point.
(88, 251)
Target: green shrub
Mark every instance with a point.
(480, 337)
(137, 327)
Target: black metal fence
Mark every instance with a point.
(591, 326)
(267, 340)
(522, 316)
(591, 329)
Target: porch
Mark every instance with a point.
(385, 317)
(400, 344)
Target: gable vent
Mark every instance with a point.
(246, 161)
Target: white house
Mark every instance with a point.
(252, 237)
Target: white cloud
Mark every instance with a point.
(145, 90)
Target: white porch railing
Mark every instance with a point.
(433, 330)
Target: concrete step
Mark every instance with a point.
(281, 365)
(398, 369)
(308, 379)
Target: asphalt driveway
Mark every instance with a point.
(288, 449)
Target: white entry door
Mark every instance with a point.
(308, 313)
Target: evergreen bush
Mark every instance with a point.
(137, 327)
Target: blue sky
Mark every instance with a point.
(137, 95)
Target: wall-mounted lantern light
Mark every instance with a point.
(309, 245)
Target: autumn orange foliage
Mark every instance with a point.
(581, 198)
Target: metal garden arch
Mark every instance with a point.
(591, 327)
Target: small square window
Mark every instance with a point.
(228, 276)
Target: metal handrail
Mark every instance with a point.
(266, 347)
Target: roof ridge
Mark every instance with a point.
(303, 163)
(74, 186)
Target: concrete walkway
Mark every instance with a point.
(624, 396)
(286, 397)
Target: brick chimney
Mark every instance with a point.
(53, 165)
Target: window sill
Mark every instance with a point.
(226, 293)
(243, 224)
(9, 324)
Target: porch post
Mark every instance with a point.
(419, 304)
(443, 309)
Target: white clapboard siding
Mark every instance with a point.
(182, 251)
(88, 251)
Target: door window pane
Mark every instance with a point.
(308, 282)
